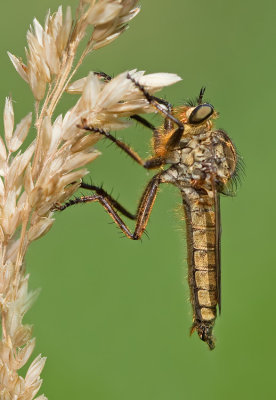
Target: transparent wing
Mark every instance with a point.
(218, 236)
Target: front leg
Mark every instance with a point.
(169, 139)
(136, 117)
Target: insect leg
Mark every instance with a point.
(168, 124)
(154, 162)
(143, 213)
(143, 121)
(145, 205)
(115, 204)
(105, 202)
(136, 117)
(174, 138)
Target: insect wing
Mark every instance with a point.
(217, 247)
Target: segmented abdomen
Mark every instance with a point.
(202, 247)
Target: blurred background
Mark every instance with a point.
(113, 316)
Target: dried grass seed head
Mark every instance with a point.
(51, 47)
(104, 104)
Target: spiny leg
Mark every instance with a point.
(146, 204)
(115, 204)
(173, 139)
(167, 124)
(138, 118)
(143, 212)
(105, 203)
(151, 163)
(143, 122)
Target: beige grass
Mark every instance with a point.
(33, 180)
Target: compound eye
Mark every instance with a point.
(201, 113)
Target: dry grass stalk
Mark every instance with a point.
(34, 179)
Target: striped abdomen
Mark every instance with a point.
(203, 261)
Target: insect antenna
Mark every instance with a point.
(201, 94)
(197, 101)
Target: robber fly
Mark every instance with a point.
(201, 163)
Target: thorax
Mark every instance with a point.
(200, 160)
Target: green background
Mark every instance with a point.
(113, 316)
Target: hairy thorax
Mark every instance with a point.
(201, 161)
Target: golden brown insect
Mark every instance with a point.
(201, 163)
